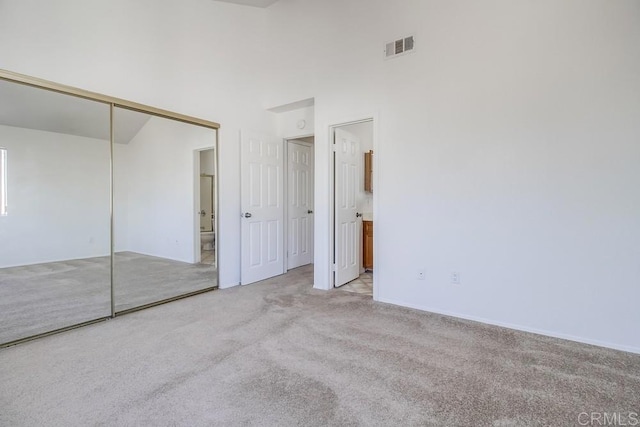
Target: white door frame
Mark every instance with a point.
(374, 118)
(285, 183)
(347, 187)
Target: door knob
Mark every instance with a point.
(358, 214)
(202, 213)
(247, 215)
(309, 211)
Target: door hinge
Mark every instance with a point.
(334, 267)
(333, 147)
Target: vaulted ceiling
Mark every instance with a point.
(38, 109)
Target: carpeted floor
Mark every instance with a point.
(39, 298)
(142, 279)
(279, 353)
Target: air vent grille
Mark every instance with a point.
(399, 47)
(408, 43)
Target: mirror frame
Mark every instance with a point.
(114, 102)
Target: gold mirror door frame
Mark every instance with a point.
(111, 105)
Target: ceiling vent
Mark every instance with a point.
(399, 47)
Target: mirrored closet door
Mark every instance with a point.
(164, 210)
(106, 207)
(55, 247)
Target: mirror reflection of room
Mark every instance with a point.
(54, 223)
(100, 207)
(207, 207)
(158, 216)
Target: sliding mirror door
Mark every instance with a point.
(164, 209)
(55, 216)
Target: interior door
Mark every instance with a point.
(347, 179)
(300, 204)
(262, 233)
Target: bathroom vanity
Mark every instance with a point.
(367, 245)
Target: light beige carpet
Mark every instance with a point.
(43, 297)
(279, 353)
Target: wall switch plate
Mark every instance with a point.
(455, 278)
(420, 274)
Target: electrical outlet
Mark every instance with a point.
(420, 274)
(455, 278)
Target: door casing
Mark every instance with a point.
(347, 224)
(286, 196)
(328, 264)
(196, 203)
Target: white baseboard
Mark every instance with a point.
(229, 285)
(582, 340)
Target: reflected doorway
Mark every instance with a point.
(156, 197)
(206, 211)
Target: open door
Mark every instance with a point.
(300, 204)
(262, 237)
(346, 229)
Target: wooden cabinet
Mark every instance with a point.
(367, 245)
(368, 171)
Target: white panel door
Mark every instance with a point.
(347, 224)
(300, 204)
(262, 233)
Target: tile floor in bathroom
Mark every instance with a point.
(362, 285)
(208, 257)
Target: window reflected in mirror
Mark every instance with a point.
(55, 251)
(104, 209)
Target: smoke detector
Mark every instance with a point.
(399, 47)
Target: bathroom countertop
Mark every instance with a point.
(367, 216)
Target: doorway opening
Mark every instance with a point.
(353, 206)
(206, 199)
(299, 201)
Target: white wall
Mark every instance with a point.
(510, 134)
(196, 57)
(58, 197)
(287, 123)
(121, 198)
(208, 162)
(154, 189)
(507, 150)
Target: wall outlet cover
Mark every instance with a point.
(455, 278)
